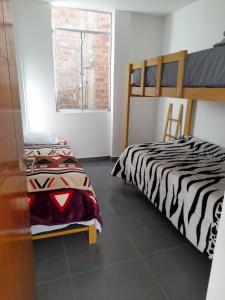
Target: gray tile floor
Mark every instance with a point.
(138, 256)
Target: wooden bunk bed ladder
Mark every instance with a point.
(170, 120)
(187, 126)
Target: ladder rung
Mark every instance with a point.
(171, 136)
(169, 120)
(174, 120)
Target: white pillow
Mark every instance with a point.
(35, 137)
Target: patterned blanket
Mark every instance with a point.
(60, 192)
(185, 180)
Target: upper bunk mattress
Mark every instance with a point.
(185, 180)
(202, 69)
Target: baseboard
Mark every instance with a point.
(98, 158)
(114, 158)
(92, 159)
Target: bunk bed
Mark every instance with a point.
(62, 200)
(184, 178)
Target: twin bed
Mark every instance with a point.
(61, 197)
(185, 180)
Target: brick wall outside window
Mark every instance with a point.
(96, 58)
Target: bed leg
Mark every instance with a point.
(92, 235)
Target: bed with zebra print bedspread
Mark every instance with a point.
(184, 179)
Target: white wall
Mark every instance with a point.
(146, 42)
(87, 133)
(197, 27)
(137, 36)
(121, 36)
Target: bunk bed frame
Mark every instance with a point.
(189, 93)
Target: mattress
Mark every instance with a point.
(185, 180)
(60, 192)
(202, 69)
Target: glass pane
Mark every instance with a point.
(81, 19)
(96, 69)
(67, 48)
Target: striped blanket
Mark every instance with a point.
(185, 180)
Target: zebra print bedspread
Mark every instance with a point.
(185, 180)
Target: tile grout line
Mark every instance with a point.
(164, 250)
(130, 214)
(142, 259)
(106, 267)
(52, 280)
(153, 276)
(90, 270)
(69, 271)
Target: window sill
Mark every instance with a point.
(84, 111)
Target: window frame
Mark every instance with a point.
(54, 29)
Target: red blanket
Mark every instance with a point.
(60, 192)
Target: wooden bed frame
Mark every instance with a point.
(91, 229)
(92, 233)
(189, 93)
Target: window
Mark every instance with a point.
(82, 55)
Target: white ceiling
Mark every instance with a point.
(160, 7)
